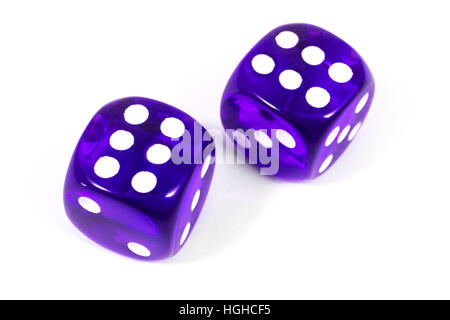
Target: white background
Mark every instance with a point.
(376, 225)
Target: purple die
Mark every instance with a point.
(303, 89)
(136, 183)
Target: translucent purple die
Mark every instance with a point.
(304, 89)
(131, 185)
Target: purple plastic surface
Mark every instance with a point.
(153, 222)
(261, 96)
